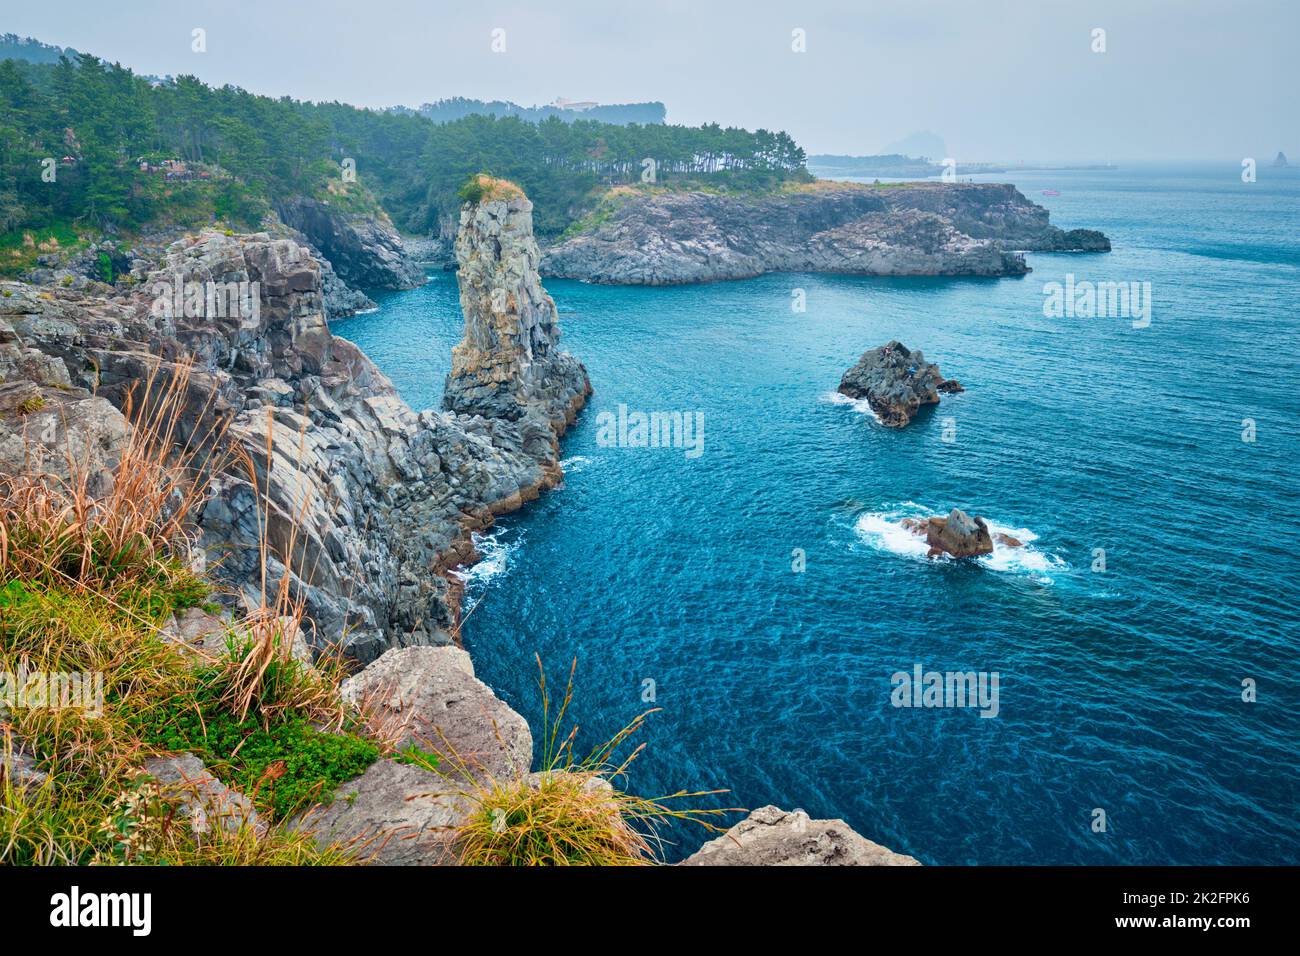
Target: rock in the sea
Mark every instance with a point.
(664, 238)
(958, 535)
(771, 836)
(896, 382)
(509, 365)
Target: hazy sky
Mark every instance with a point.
(997, 80)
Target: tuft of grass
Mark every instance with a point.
(58, 530)
(572, 813)
(29, 405)
(87, 582)
(484, 187)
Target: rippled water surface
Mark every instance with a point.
(1119, 690)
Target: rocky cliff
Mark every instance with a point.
(384, 498)
(364, 250)
(664, 238)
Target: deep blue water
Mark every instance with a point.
(1119, 690)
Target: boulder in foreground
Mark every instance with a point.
(771, 836)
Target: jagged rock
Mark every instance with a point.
(958, 535)
(445, 710)
(365, 250)
(205, 798)
(661, 238)
(338, 298)
(896, 382)
(383, 500)
(509, 365)
(45, 424)
(432, 251)
(398, 813)
(771, 836)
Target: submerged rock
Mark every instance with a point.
(958, 535)
(896, 382)
(771, 836)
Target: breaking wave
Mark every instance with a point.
(883, 531)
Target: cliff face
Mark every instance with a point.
(913, 229)
(509, 366)
(365, 251)
(384, 498)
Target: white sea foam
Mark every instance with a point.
(859, 405)
(883, 530)
(494, 560)
(576, 464)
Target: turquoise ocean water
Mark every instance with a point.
(1118, 689)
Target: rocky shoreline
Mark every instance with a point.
(383, 500)
(921, 229)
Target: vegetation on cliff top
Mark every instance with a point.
(125, 152)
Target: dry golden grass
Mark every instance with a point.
(572, 813)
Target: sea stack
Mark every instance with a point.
(509, 365)
(896, 381)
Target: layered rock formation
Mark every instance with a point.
(509, 366)
(771, 836)
(896, 381)
(383, 499)
(665, 238)
(958, 535)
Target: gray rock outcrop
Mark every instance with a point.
(957, 229)
(206, 800)
(432, 693)
(384, 499)
(896, 381)
(365, 250)
(402, 813)
(771, 836)
(509, 366)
